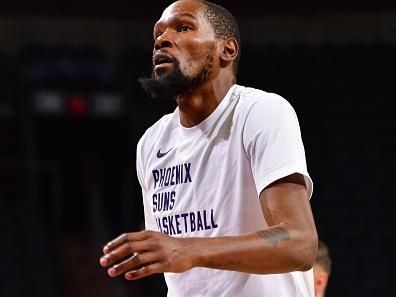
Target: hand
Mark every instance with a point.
(140, 254)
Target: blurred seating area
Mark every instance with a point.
(70, 119)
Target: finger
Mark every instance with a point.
(115, 242)
(121, 252)
(144, 271)
(133, 263)
(123, 238)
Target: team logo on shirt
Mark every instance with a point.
(165, 200)
(160, 155)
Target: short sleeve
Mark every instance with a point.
(139, 164)
(273, 143)
(149, 220)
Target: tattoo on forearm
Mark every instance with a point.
(274, 235)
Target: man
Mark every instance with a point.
(322, 269)
(224, 179)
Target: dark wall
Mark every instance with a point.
(126, 8)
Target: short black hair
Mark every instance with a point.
(224, 25)
(323, 257)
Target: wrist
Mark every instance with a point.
(194, 250)
(205, 252)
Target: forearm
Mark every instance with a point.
(289, 244)
(273, 250)
(277, 249)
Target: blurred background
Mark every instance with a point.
(72, 111)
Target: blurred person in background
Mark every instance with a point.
(322, 269)
(224, 178)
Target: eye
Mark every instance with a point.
(158, 34)
(184, 28)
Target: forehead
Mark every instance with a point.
(192, 8)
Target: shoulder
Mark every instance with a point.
(259, 102)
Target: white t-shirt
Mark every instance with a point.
(205, 181)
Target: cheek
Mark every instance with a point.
(196, 56)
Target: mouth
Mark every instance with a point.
(161, 58)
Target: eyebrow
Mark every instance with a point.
(179, 15)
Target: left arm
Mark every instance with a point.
(289, 242)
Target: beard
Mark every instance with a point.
(176, 83)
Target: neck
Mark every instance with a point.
(197, 106)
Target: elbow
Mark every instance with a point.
(310, 249)
(303, 257)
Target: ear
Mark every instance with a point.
(320, 281)
(229, 52)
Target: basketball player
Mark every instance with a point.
(224, 178)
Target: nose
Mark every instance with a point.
(162, 41)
